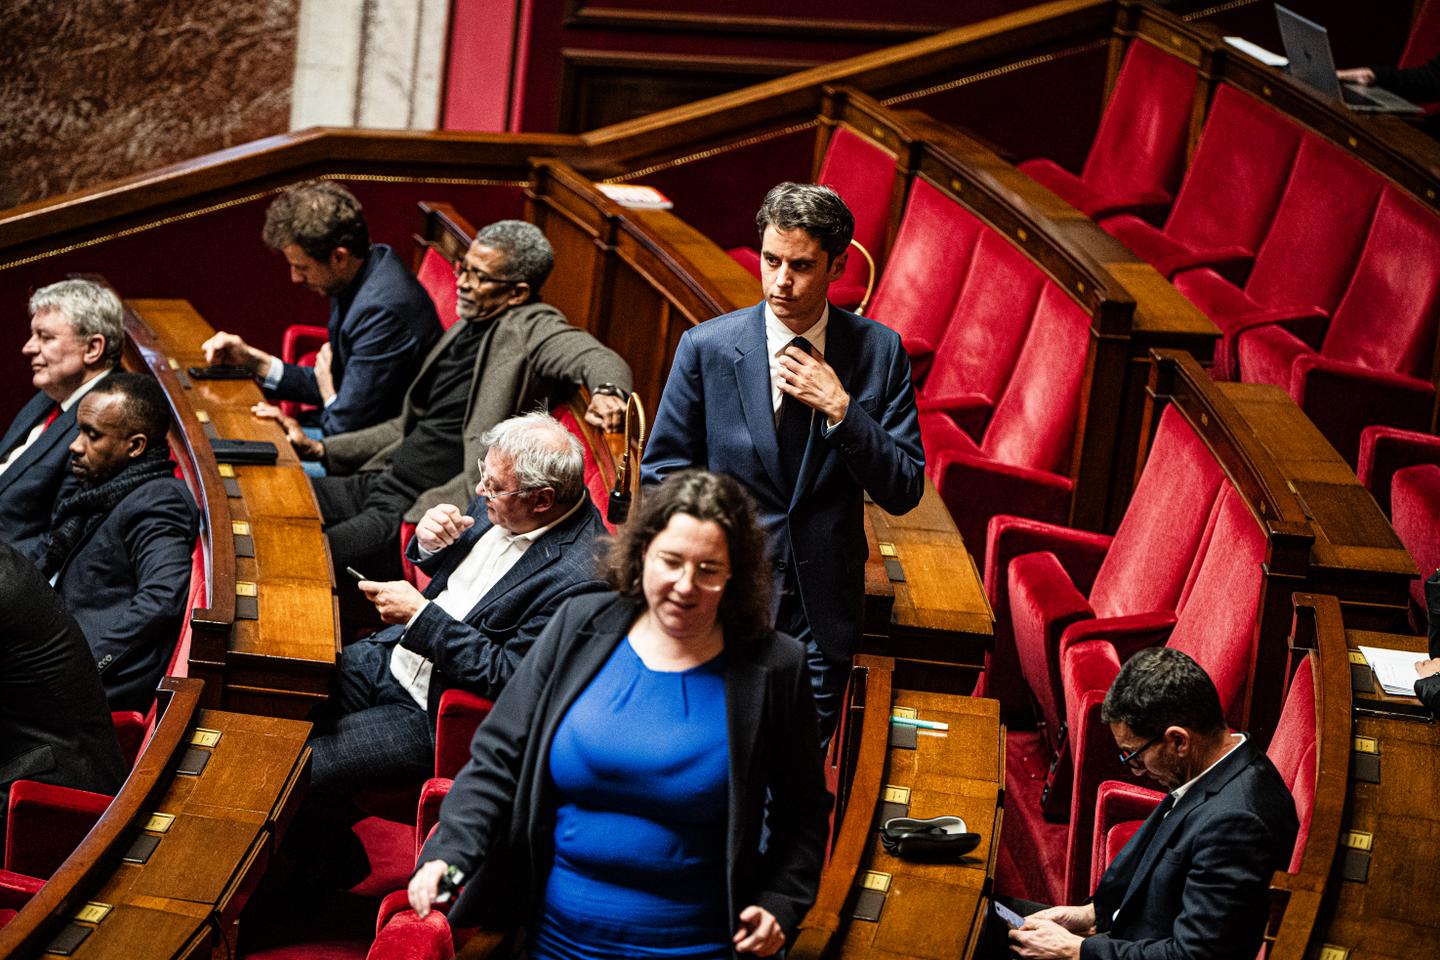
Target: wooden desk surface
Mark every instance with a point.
(939, 611)
(279, 661)
(930, 909)
(216, 830)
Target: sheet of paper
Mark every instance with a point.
(1257, 51)
(1395, 669)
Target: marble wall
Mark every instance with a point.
(93, 90)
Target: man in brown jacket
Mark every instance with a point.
(509, 353)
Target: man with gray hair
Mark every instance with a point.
(76, 335)
(525, 544)
(510, 353)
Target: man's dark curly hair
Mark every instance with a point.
(745, 607)
(318, 216)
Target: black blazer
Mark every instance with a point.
(30, 488)
(482, 651)
(499, 817)
(126, 585)
(54, 722)
(380, 328)
(1194, 884)
(716, 413)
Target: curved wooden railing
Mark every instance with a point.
(66, 892)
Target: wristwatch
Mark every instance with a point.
(610, 390)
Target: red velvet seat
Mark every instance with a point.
(1021, 466)
(863, 173)
(925, 271)
(16, 889)
(1122, 806)
(437, 276)
(981, 343)
(1401, 469)
(1373, 365)
(1229, 195)
(1215, 626)
(1306, 261)
(1138, 155)
(1133, 595)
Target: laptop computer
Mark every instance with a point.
(1307, 45)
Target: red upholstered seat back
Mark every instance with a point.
(1238, 174)
(1293, 750)
(1216, 625)
(926, 266)
(1034, 422)
(1141, 141)
(595, 483)
(438, 278)
(1415, 512)
(1156, 544)
(863, 173)
(987, 328)
(1424, 40)
(1309, 254)
(1388, 316)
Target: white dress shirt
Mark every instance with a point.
(777, 338)
(489, 559)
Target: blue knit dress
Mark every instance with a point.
(641, 768)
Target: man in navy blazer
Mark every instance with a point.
(76, 334)
(811, 407)
(526, 543)
(382, 321)
(1193, 881)
(120, 546)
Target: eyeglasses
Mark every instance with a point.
(705, 575)
(1128, 759)
(491, 493)
(469, 274)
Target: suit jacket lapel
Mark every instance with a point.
(752, 377)
(744, 706)
(24, 421)
(456, 553)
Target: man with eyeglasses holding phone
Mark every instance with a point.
(1192, 882)
(501, 567)
(509, 353)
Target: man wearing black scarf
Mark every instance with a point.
(119, 548)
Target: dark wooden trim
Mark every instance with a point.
(96, 857)
(580, 14)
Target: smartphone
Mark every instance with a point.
(221, 371)
(1012, 919)
(356, 573)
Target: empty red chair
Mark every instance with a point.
(1122, 806)
(1133, 596)
(1022, 465)
(982, 341)
(1373, 365)
(925, 271)
(1229, 195)
(1138, 154)
(863, 173)
(1401, 469)
(16, 889)
(1306, 260)
(1215, 627)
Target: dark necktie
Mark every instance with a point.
(792, 431)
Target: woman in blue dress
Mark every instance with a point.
(614, 800)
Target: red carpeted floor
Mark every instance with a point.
(342, 924)
(1032, 850)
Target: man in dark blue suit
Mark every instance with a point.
(525, 544)
(812, 408)
(119, 548)
(382, 321)
(1193, 881)
(76, 335)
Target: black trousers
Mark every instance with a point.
(995, 941)
(362, 515)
